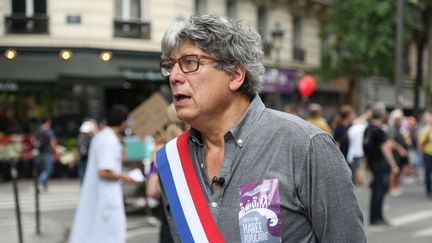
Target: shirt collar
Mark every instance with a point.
(242, 129)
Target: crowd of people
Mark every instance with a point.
(399, 146)
(389, 145)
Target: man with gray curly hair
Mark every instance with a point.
(243, 172)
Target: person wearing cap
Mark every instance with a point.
(86, 131)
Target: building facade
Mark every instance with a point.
(73, 59)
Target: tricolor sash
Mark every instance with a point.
(192, 217)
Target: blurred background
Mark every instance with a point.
(72, 60)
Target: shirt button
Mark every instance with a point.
(202, 165)
(240, 141)
(214, 204)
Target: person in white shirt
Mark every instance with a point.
(100, 215)
(355, 149)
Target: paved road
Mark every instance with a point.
(410, 215)
(57, 210)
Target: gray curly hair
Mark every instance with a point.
(231, 42)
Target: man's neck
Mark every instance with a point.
(213, 131)
(376, 122)
(116, 130)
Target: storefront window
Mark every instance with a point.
(21, 110)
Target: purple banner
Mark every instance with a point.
(278, 81)
(259, 216)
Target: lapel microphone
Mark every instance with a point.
(218, 181)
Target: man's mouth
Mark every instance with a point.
(181, 97)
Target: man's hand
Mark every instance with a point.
(395, 169)
(127, 179)
(402, 152)
(110, 175)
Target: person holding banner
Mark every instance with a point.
(243, 172)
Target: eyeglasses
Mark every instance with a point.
(187, 63)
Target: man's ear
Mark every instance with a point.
(237, 78)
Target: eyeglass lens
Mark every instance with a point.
(188, 63)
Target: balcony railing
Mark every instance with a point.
(299, 54)
(132, 29)
(21, 24)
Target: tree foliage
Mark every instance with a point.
(362, 34)
(426, 5)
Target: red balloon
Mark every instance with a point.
(306, 86)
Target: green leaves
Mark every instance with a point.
(363, 34)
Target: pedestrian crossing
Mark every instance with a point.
(426, 232)
(420, 216)
(50, 231)
(422, 220)
(59, 197)
(64, 197)
(140, 228)
(411, 218)
(10, 224)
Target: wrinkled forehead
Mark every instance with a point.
(186, 47)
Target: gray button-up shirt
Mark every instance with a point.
(317, 201)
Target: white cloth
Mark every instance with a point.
(355, 137)
(100, 215)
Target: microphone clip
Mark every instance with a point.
(218, 181)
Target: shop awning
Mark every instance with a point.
(29, 68)
(85, 64)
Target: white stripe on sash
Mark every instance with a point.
(184, 193)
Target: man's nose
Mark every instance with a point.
(176, 74)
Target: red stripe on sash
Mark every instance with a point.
(202, 209)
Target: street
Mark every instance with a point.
(57, 211)
(410, 214)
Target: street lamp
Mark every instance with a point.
(399, 51)
(277, 40)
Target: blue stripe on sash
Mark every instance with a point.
(173, 199)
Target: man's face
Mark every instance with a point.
(398, 121)
(198, 96)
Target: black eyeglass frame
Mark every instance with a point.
(173, 61)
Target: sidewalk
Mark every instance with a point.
(57, 211)
(51, 232)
